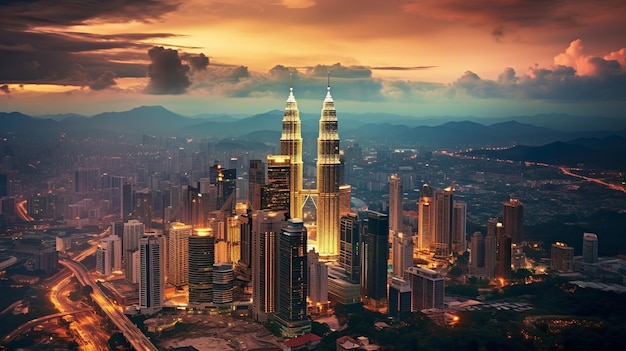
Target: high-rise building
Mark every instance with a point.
(427, 288)
(562, 257)
(256, 179)
(223, 283)
(491, 248)
(503, 257)
(86, 180)
(151, 281)
(266, 227)
(201, 261)
(402, 253)
(350, 246)
(245, 249)
(127, 202)
(477, 255)
(227, 190)
(109, 255)
(328, 165)
(426, 218)
(293, 277)
(142, 206)
(374, 256)
(513, 219)
(399, 297)
(291, 145)
(395, 204)
(444, 207)
(590, 248)
(276, 194)
(178, 254)
(133, 231)
(459, 219)
(317, 281)
(401, 241)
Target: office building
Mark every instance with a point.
(276, 194)
(399, 297)
(109, 255)
(503, 258)
(178, 254)
(317, 282)
(427, 288)
(426, 219)
(444, 208)
(590, 248)
(513, 219)
(459, 228)
(151, 280)
(266, 228)
(256, 180)
(201, 261)
(395, 204)
(350, 246)
(477, 255)
(223, 283)
(133, 231)
(142, 206)
(293, 278)
(291, 146)
(375, 254)
(562, 257)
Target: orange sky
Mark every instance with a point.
(428, 57)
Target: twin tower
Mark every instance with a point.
(328, 167)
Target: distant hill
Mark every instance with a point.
(609, 152)
(368, 129)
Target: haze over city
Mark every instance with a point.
(417, 58)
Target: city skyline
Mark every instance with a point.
(421, 58)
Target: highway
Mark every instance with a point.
(135, 337)
(36, 321)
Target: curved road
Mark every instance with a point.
(137, 339)
(39, 320)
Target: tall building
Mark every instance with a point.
(142, 206)
(426, 218)
(276, 194)
(402, 253)
(328, 166)
(317, 281)
(291, 145)
(443, 222)
(503, 264)
(395, 204)
(201, 261)
(223, 283)
(477, 255)
(513, 219)
(590, 248)
(151, 281)
(427, 288)
(491, 247)
(178, 254)
(266, 227)
(459, 227)
(133, 231)
(350, 246)
(399, 297)
(109, 255)
(293, 277)
(562, 257)
(86, 180)
(375, 255)
(227, 190)
(256, 180)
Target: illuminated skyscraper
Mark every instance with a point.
(426, 218)
(513, 219)
(443, 222)
(350, 246)
(151, 281)
(291, 145)
(395, 204)
(328, 165)
(201, 260)
(266, 227)
(562, 257)
(293, 277)
(177, 255)
(109, 255)
(276, 194)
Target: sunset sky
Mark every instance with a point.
(410, 57)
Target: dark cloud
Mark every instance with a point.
(30, 54)
(106, 80)
(5, 89)
(196, 62)
(498, 33)
(398, 68)
(167, 73)
(339, 71)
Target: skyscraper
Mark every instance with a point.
(395, 204)
(266, 227)
(178, 254)
(399, 297)
(513, 219)
(375, 255)
(291, 145)
(276, 194)
(426, 218)
(201, 260)
(562, 257)
(443, 222)
(317, 284)
(427, 288)
(142, 206)
(401, 240)
(590, 248)
(477, 256)
(256, 179)
(109, 255)
(223, 283)
(402, 253)
(459, 219)
(350, 246)
(133, 231)
(293, 277)
(151, 281)
(328, 165)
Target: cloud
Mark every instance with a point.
(168, 75)
(587, 65)
(106, 80)
(196, 62)
(5, 89)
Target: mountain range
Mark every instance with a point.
(368, 129)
